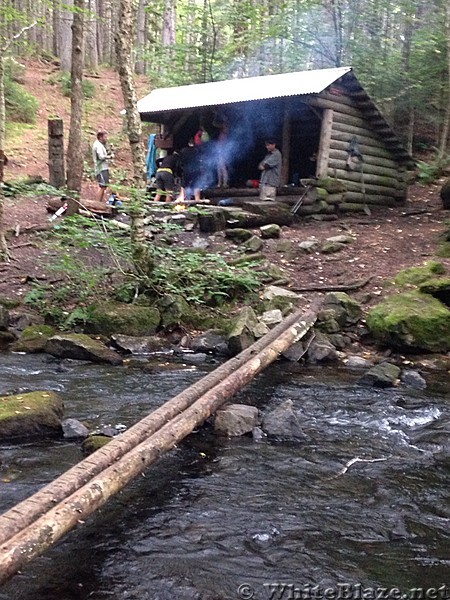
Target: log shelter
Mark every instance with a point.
(326, 126)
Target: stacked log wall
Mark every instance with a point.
(381, 179)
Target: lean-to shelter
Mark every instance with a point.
(325, 124)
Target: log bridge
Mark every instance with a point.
(35, 524)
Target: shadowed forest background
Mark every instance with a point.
(398, 48)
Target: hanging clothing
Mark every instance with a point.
(151, 156)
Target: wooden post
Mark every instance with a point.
(324, 144)
(286, 145)
(56, 165)
(34, 539)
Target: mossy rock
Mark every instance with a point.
(33, 339)
(174, 310)
(444, 250)
(128, 319)
(445, 194)
(241, 334)
(438, 288)
(202, 318)
(94, 442)
(4, 318)
(332, 247)
(80, 346)
(415, 276)
(282, 303)
(238, 234)
(35, 414)
(340, 307)
(413, 321)
(254, 244)
(6, 338)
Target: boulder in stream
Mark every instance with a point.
(283, 422)
(34, 414)
(81, 347)
(94, 442)
(236, 419)
(33, 339)
(383, 375)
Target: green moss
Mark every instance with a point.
(438, 288)
(411, 320)
(34, 413)
(202, 318)
(444, 250)
(38, 330)
(94, 442)
(128, 319)
(9, 302)
(333, 186)
(416, 275)
(322, 193)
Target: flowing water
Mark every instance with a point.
(361, 508)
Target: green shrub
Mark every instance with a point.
(14, 70)
(20, 105)
(429, 172)
(64, 80)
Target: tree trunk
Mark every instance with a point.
(2, 101)
(139, 66)
(91, 53)
(56, 27)
(124, 39)
(446, 127)
(65, 36)
(169, 23)
(74, 150)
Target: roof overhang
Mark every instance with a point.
(232, 91)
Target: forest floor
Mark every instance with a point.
(385, 242)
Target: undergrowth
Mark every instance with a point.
(93, 262)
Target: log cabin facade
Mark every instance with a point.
(326, 125)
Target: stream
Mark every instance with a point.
(361, 510)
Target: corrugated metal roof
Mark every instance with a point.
(239, 90)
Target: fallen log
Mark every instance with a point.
(34, 539)
(29, 510)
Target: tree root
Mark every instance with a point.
(355, 285)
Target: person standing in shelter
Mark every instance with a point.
(222, 148)
(165, 176)
(101, 158)
(270, 168)
(191, 172)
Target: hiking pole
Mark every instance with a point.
(299, 202)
